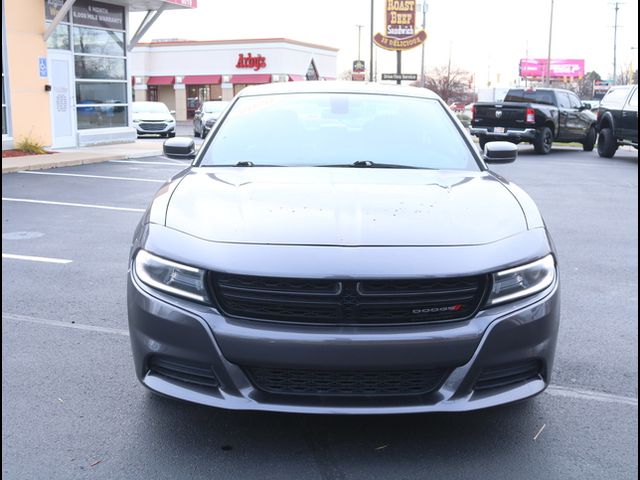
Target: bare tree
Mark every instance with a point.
(346, 75)
(584, 86)
(450, 83)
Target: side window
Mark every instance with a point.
(563, 100)
(633, 101)
(575, 101)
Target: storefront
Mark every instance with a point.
(65, 69)
(184, 74)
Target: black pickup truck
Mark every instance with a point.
(618, 120)
(538, 116)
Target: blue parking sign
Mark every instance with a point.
(42, 66)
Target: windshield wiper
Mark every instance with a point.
(370, 164)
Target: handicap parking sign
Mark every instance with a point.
(42, 66)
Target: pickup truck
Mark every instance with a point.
(618, 120)
(538, 116)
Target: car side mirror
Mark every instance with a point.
(585, 106)
(179, 148)
(500, 152)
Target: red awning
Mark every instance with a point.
(202, 79)
(297, 78)
(251, 79)
(165, 80)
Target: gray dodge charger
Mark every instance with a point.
(342, 248)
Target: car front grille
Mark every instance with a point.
(347, 302)
(508, 375)
(189, 372)
(351, 383)
(156, 126)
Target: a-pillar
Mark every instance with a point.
(181, 100)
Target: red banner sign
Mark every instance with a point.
(400, 31)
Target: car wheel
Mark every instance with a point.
(543, 142)
(607, 144)
(590, 140)
(196, 133)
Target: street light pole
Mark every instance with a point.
(615, 44)
(548, 73)
(423, 81)
(371, 47)
(359, 37)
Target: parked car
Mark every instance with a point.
(342, 248)
(618, 120)
(207, 116)
(537, 116)
(457, 107)
(153, 118)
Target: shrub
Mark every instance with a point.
(30, 145)
(464, 119)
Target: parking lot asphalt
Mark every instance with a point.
(72, 407)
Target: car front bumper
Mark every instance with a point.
(162, 326)
(156, 129)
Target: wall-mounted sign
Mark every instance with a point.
(97, 14)
(400, 31)
(249, 61)
(358, 66)
(42, 67)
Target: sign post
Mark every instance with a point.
(400, 31)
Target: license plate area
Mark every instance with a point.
(498, 129)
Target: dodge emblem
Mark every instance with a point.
(498, 113)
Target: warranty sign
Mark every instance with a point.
(400, 32)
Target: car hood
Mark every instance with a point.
(152, 116)
(344, 206)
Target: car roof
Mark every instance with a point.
(336, 86)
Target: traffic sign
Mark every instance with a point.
(400, 76)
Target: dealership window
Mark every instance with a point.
(95, 34)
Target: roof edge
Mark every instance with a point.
(236, 41)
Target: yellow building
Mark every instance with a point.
(65, 69)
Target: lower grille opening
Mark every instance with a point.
(347, 383)
(511, 374)
(189, 372)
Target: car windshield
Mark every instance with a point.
(214, 107)
(339, 129)
(149, 107)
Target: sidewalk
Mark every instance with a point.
(65, 157)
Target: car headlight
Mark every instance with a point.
(170, 277)
(171, 120)
(522, 281)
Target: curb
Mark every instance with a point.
(82, 159)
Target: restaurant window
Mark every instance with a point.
(152, 93)
(95, 34)
(312, 71)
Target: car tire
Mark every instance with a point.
(607, 144)
(171, 134)
(196, 133)
(543, 141)
(590, 140)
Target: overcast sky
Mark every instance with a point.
(487, 37)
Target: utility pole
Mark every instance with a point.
(423, 80)
(359, 38)
(615, 44)
(526, 58)
(548, 72)
(371, 47)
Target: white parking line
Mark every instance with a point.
(150, 162)
(67, 204)
(554, 390)
(103, 177)
(558, 391)
(35, 259)
(57, 323)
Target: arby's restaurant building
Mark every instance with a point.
(183, 73)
